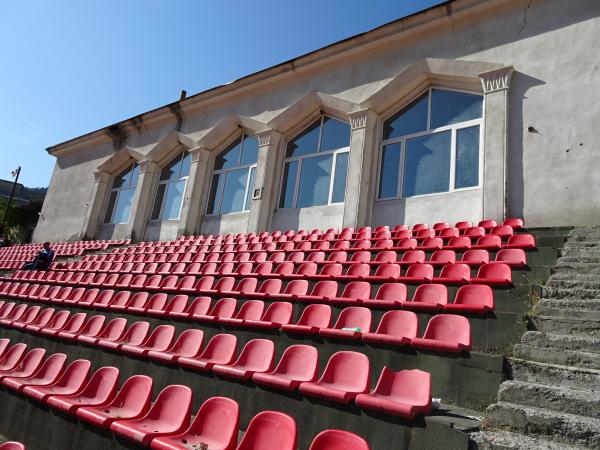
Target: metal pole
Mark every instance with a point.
(12, 193)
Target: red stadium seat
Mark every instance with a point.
(487, 224)
(389, 295)
(224, 308)
(135, 335)
(354, 293)
(396, 328)
(405, 393)
(112, 332)
(256, 356)
(298, 363)
(215, 426)
(46, 374)
(26, 366)
(446, 333)
(188, 344)
(516, 224)
(277, 314)
(93, 326)
(73, 325)
(488, 242)
(503, 231)
(418, 273)
(270, 430)
(177, 304)
(351, 324)
(170, 414)
(338, 440)
(522, 241)
(69, 382)
(346, 375)
(513, 257)
(12, 357)
(475, 298)
(219, 350)
(132, 401)
(250, 310)
(160, 340)
(429, 297)
(457, 273)
(313, 318)
(475, 257)
(498, 274)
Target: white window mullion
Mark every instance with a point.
(247, 187)
(222, 188)
(401, 169)
(452, 176)
(297, 181)
(331, 176)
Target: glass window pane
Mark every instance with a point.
(467, 157)
(389, 171)
(135, 174)
(249, 151)
(289, 183)
(111, 206)
(173, 199)
(123, 179)
(215, 190)
(339, 178)
(448, 107)
(250, 189)
(411, 119)
(313, 189)
(306, 143)
(230, 157)
(335, 134)
(427, 164)
(234, 191)
(171, 170)
(123, 206)
(185, 165)
(160, 193)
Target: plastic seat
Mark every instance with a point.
(224, 308)
(135, 335)
(389, 295)
(313, 318)
(346, 375)
(351, 323)
(513, 257)
(4, 345)
(73, 325)
(515, 223)
(429, 297)
(12, 445)
(219, 350)
(13, 357)
(322, 291)
(177, 304)
(432, 243)
(113, 331)
(354, 293)
(488, 242)
(487, 224)
(93, 326)
(446, 333)
(442, 257)
(188, 344)
(498, 274)
(250, 310)
(338, 440)
(46, 374)
(418, 273)
(157, 302)
(522, 241)
(406, 393)
(256, 356)
(270, 430)
(457, 273)
(395, 328)
(215, 427)
(69, 382)
(475, 257)
(298, 363)
(132, 401)
(99, 390)
(26, 366)
(198, 307)
(277, 314)
(160, 339)
(475, 298)
(503, 231)
(169, 414)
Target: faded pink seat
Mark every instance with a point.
(475, 298)
(188, 344)
(26, 366)
(12, 445)
(446, 333)
(313, 318)
(219, 350)
(13, 357)
(495, 274)
(160, 339)
(70, 382)
(338, 440)
(351, 324)
(113, 331)
(428, 297)
(298, 363)
(277, 314)
(270, 430)
(256, 356)
(395, 328)
(405, 393)
(389, 295)
(135, 335)
(250, 310)
(46, 374)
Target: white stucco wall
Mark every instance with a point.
(552, 173)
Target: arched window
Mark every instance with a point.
(316, 163)
(171, 187)
(121, 195)
(432, 145)
(233, 177)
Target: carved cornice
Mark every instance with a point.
(496, 80)
(362, 119)
(147, 166)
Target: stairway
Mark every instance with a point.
(552, 397)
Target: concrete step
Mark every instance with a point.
(583, 264)
(570, 292)
(567, 325)
(575, 311)
(555, 398)
(506, 440)
(559, 349)
(586, 379)
(562, 427)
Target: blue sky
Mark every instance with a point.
(71, 67)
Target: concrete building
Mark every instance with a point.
(471, 109)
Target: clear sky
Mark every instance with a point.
(71, 67)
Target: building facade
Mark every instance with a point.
(468, 110)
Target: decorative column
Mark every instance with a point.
(95, 213)
(194, 192)
(496, 86)
(360, 179)
(264, 192)
(142, 201)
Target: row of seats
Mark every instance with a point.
(163, 424)
(473, 298)
(444, 332)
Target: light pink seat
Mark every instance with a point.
(13, 357)
(189, 345)
(338, 440)
(354, 293)
(26, 366)
(224, 308)
(395, 328)
(270, 430)
(132, 401)
(429, 297)
(92, 327)
(475, 298)
(389, 295)
(219, 350)
(256, 356)
(298, 363)
(135, 335)
(250, 310)
(405, 393)
(497, 274)
(160, 339)
(70, 382)
(12, 445)
(277, 314)
(215, 426)
(351, 324)
(113, 331)
(46, 374)
(446, 333)
(313, 318)
(346, 375)
(456, 273)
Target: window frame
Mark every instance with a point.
(453, 128)
(224, 172)
(299, 160)
(181, 155)
(129, 167)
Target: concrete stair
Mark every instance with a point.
(551, 398)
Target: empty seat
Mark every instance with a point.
(46, 374)
(513, 257)
(160, 339)
(270, 430)
(338, 440)
(92, 327)
(12, 445)
(135, 335)
(169, 414)
(354, 293)
(256, 356)
(132, 401)
(113, 331)
(487, 224)
(429, 297)
(504, 231)
(446, 333)
(298, 363)
(516, 224)
(396, 328)
(250, 310)
(26, 366)
(475, 257)
(219, 350)
(99, 390)
(351, 323)
(13, 357)
(313, 318)
(488, 242)
(69, 382)
(457, 273)
(346, 375)
(389, 295)
(475, 298)
(405, 393)
(498, 274)
(225, 307)
(188, 344)
(523, 241)
(277, 314)
(215, 426)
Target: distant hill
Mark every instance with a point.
(22, 194)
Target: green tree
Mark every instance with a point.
(21, 219)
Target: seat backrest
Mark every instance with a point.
(75, 375)
(258, 354)
(338, 440)
(325, 288)
(51, 369)
(93, 326)
(271, 286)
(450, 328)
(457, 270)
(205, 283)
(224, 308)
(498, 270)
(102, 385)
(75, 322)
(134, 397)
(475, 294)
(443, 256)
(424, 271)
(199, 306)
(316, 315)
(399, 323)
(172, 406)
(178, 303)
(225, 284)
(251, 310)
(115, 329)
(161, 337)
(221, 348)
(217, 420)
(338, 256)
(514, 256)
(270, 430)
(407, 386)
(12, 356)
(477, 256)
(474, 232)
(334, 269)
(388, 270)
(487, 224)
(361, 257)
(354, 317)
(392, 291)
(247, 285)
(349, 371)
(316, 256)
(434, 293)
(360, 290)
(136, 333)
(189, 342)
(278, 312)
(157, 301)
(296, 287)
(359, 270)
(299, 362)
(138, 300)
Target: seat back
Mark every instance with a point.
(434, 293)
(217, 420)
(424, 271)
(136, 333)
(443, 257)
(102, 384)
(325, 288)
(114, 330)
(157, 301)
(257, 354)
(278, 312)
(299, 362)
(475, 294)
(161, 337)
(296, 287)
(392, 291)
(220, 348)
(189, 342)
(449, 327)
(270, 430)
(338, 440)
(75, 375)
(316, 315)
(51, 369)
(407, 386)
(350, 371)
(476, 257)
(399, 323)
(224, 308)
(354, 317)
(199, 306)
(251, 310)
(134, 397)
(458, 270)
(138, 300)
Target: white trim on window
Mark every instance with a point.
(182, 155)
(132, 166)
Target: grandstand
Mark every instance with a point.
(384, 244)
